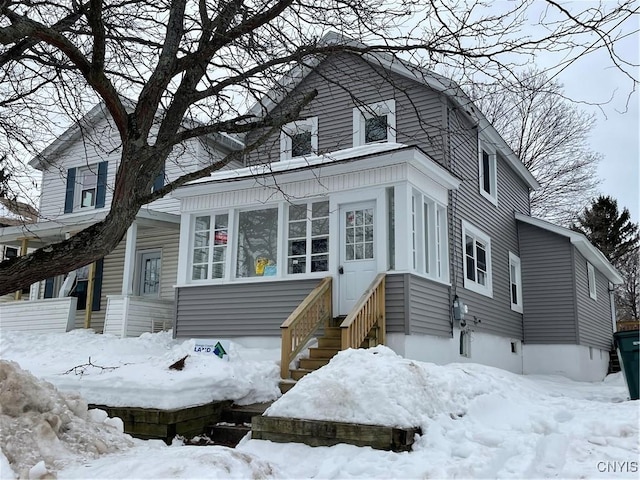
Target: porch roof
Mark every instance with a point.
(411, 154)
(584, 246)
(44, 233)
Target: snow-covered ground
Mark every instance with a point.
(478, 422)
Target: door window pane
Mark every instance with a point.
(359, 238)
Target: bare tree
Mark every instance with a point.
(628, 294)
(550, 135)
(191, 69)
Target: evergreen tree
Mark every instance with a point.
(612, 232)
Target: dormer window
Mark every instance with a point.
(299, 138)
(374, 123)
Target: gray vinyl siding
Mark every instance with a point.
(425, 118)
(595, 328)
(488, 314)
(416, 305)
(253, 309)
(419, 110)
(396, 301)
(547, 287)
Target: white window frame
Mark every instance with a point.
(309, 237)
(429, 237)
(79, 187)
(362, 113)
(212, 231)
(485, 148)
(514, 261)
(299, 126)
(469, 230)
(591, 280)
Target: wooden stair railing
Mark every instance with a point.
(303, 322)
(368, 313)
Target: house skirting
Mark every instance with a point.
(483, 348)
(586, 364)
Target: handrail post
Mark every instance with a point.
(297, 330)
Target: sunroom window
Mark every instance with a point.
(209, 258)
(308, 238)
(257, 252)
(430, 251)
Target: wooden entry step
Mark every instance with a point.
(235, 422)
(317, 433)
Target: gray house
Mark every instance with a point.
(395, 187)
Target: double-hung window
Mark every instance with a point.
(210, 246)
(86, 187)
(308, 238)
(374, 123)
(477, 260)
(299, 138)
(515, 282)
(488, 172)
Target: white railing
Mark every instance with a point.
(49, 315)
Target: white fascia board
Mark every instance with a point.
(41, 161)
(53, 230)
(221, 179)
(582, 243)
(434, 170)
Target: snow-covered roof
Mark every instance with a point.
(13, 212)
(433, 80)
(582, 244)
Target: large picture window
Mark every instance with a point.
(257, 253)
(308, 238)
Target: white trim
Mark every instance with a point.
(515, 261)
(591, 281)
(128, 272)
(364, 112)
(477, 235)
(299, 126)
(591, 253)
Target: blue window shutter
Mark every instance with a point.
(158, 183)
(71, 188)
(97, 286)
(48, 287)
(101, 188)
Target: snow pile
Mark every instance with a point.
(155, 460)
(41, 429)
(133, 372)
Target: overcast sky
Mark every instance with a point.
(616, 134)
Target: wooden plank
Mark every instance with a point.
(327, 433)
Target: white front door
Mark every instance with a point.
(149, 274)
(357, 253)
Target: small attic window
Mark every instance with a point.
(299, 138)
(374, 123)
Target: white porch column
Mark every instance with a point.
(129, 259)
